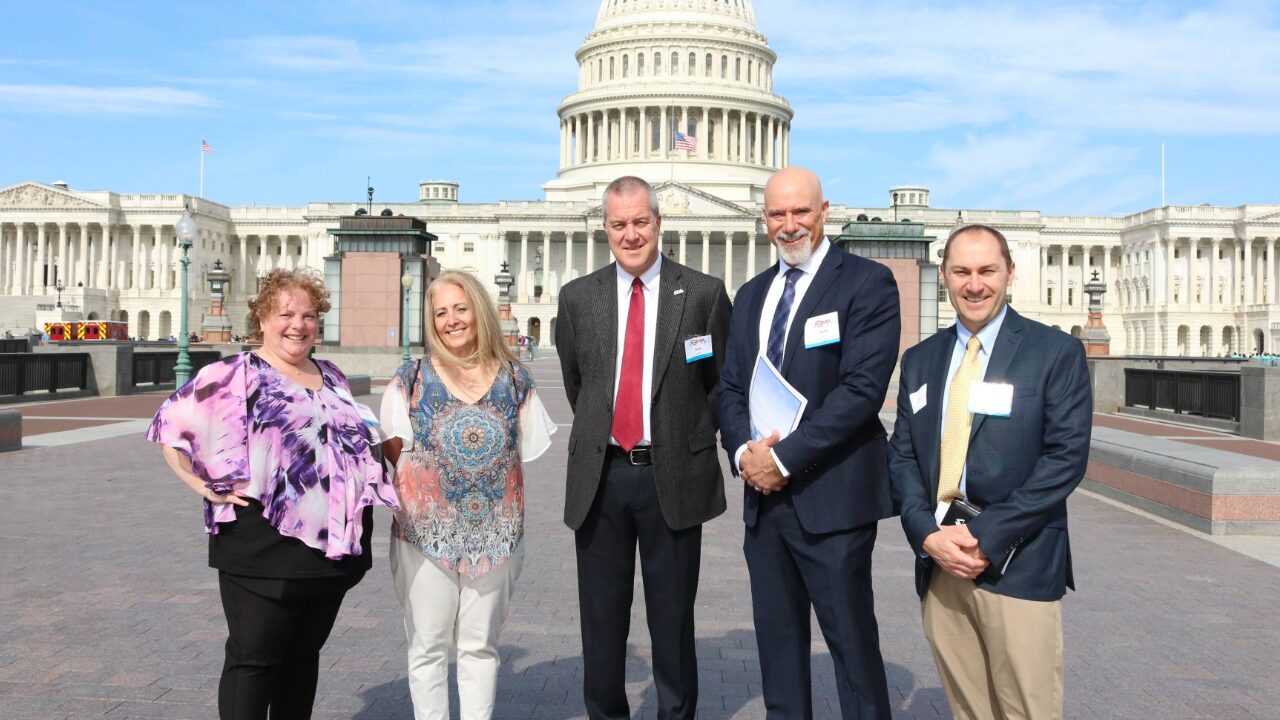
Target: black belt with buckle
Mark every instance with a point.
(635, 456)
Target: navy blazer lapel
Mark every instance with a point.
(671, 295)
(822, 280)
(1007, 343)
(936, 377)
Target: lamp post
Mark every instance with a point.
(185, 229)
(406, 282)
(59, 287)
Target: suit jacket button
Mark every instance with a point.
(599, 449)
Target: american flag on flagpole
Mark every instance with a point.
(204, 146)
(686, 142)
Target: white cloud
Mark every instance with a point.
(1020, 169)
(115, 100)
(1148, 68)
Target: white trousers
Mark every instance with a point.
(443, 608)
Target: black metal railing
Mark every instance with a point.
(15, 345)
(1206, 394)
(156, 368)
(23, 373)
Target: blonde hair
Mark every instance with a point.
(491, 349)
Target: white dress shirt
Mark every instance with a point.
(771, 299)
(649, 281)
(987, 336)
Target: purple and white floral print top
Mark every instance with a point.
(306, 455)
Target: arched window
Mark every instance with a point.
(737, 68)
(707, 72)
(600, 70)
(675, 63)
(724, 67)
(611, 68)
(626, 65)
(657, 63)
(748, 71)
(693, 62)
(640, 65)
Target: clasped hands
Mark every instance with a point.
(956, 551)
(757, 468)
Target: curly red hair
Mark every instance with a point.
(281, 281)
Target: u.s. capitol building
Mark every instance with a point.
(1180, 280)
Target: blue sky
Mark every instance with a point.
(1050, 106)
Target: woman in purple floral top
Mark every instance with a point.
(286, 464)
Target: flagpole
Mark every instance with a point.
(201, 167)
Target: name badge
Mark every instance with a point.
(919, 398)
(821, 330)
(697, 348)
(990, 398)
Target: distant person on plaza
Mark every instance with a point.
(828, 321)
(994, 419)
(285, 461)
(640, 342)
(459, 422)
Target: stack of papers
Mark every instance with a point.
(773, 403)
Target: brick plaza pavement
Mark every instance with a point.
(107, 608)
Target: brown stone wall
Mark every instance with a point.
(907, 274)
(371, 300)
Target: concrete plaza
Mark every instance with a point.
(107, 608)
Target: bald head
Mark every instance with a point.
(795, 213)
(793, 179)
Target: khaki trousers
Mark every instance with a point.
(999, 657)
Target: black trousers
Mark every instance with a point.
(626, 513)
(792, 570)
(276, 629)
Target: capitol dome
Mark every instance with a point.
(673, 90)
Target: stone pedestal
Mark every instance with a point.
(1260, 402)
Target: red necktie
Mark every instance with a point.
(628, 410)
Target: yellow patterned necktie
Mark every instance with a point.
(955, 435)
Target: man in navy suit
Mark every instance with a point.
(996, 412)
(828, 320)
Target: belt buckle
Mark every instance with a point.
(640, 456)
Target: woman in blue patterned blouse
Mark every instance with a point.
(458, 424)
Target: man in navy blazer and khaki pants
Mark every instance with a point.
(829, 321)
(996, 411)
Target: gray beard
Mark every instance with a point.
(797, 255)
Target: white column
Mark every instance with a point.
(1213, 274)
(1062, 277)
(684, 127)
(759, 143)
(706, 252)
(645, 138)
(704, 134)
(626, 137)
(546, 267)
(40, 275)
(1249, 296)
(1275, 259)
(743, 157)
(523, 286)
(664, 141)
(242, 272)
(728, 258)
(64, 255)
(284, 253)
(262, 256)
(568, 257)
(786, 145)
(683, 235)
(751, 254)
(82, 258)
(590, 236)
(1085, 267)
(722, 142)
(100, 256)
(20, 245)
(591, 136)
(1169, 244)
(4, 259)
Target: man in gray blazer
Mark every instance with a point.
(641, 342)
